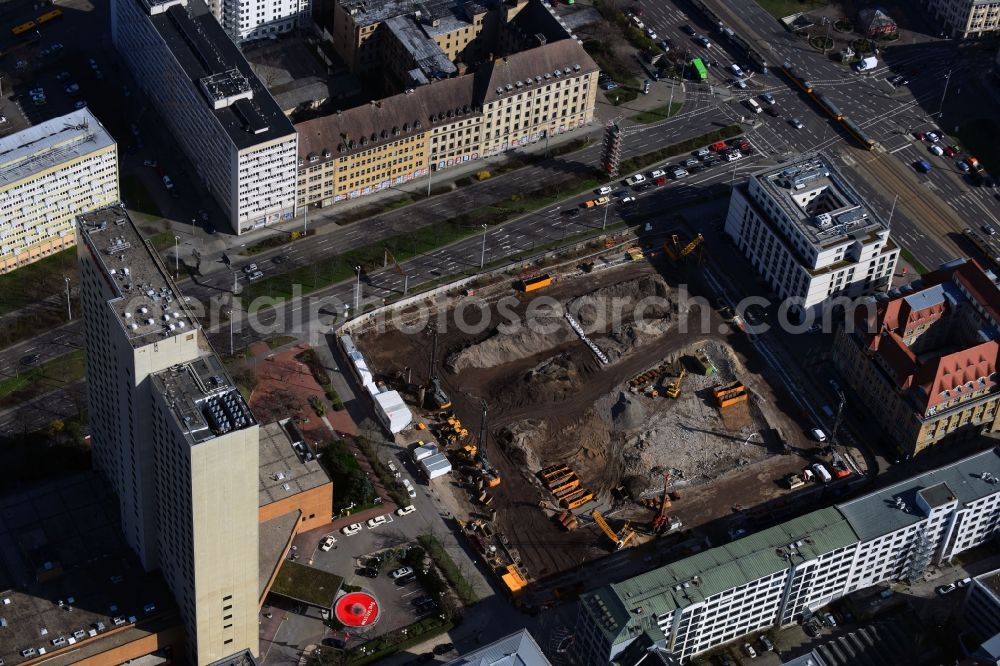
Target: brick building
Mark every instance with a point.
(928, 357)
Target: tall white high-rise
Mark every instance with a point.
(173, 436)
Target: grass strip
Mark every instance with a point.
(912, 261)
(435, 550)
(34, 381)
(340, 268)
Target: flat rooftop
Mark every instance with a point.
(895, 507)
(65, 570)
(366, 12)
(216, 67)
(242, 658)
(287, 466)
(819, 200)
(49, 144)
(148, 305)
(204, 400)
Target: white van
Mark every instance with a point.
(821, 473)
(735, 69)
(753, 105)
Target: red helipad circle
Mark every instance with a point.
(356, 609)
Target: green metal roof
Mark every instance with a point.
(876, 514)
(635, 603)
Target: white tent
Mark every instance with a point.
(435, 466)
(425, 451)
(392, 411)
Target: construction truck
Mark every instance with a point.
(439, 398)
(619, 539)
(490, 476)
(678, 253)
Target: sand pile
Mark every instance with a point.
(530, 338)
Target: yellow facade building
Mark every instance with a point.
(506, 103)
(49, 174)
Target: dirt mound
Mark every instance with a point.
(607, 309)
(628, 413)
(553, 380)
(518, 439)
(539, 335)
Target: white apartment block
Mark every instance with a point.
(172, 435)
(965, 18)
(810, 235)
(775, 577)
(243, 148)
(246, 20)
(205, 442)
(49, 173)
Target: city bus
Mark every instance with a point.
(24, 27)
(699, 69)
(49, 16)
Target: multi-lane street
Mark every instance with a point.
(927, 217)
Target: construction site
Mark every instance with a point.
(616, 416)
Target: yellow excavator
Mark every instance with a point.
(619, 539)
(674, 389)
(677, 255)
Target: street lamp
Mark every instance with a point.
(482, 255)
(357, 291)
(69, 303)
(606, 207)
(177, 257)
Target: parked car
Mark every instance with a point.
(937, 150)
(249, 268)
(625, 202)
(818, 434)
(657, 173)
(351, 529)
(633, 180)
(945, 589)
(749, 651)
(933, 137)
(149, 163)
(406, 580)
(812, 631)
(923, 166)
(377, 521)
(768, 97)
(703, 41)
(965, 582)
(691, 162)
(410, 490)
(405, 510)
(400, 572)
(604, 189)
(367, 572)
(686, 29)
(766, 644)
(989, 230)
(327, 543)
(830, 620)
(443, 648)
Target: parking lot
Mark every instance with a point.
(381, 547)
